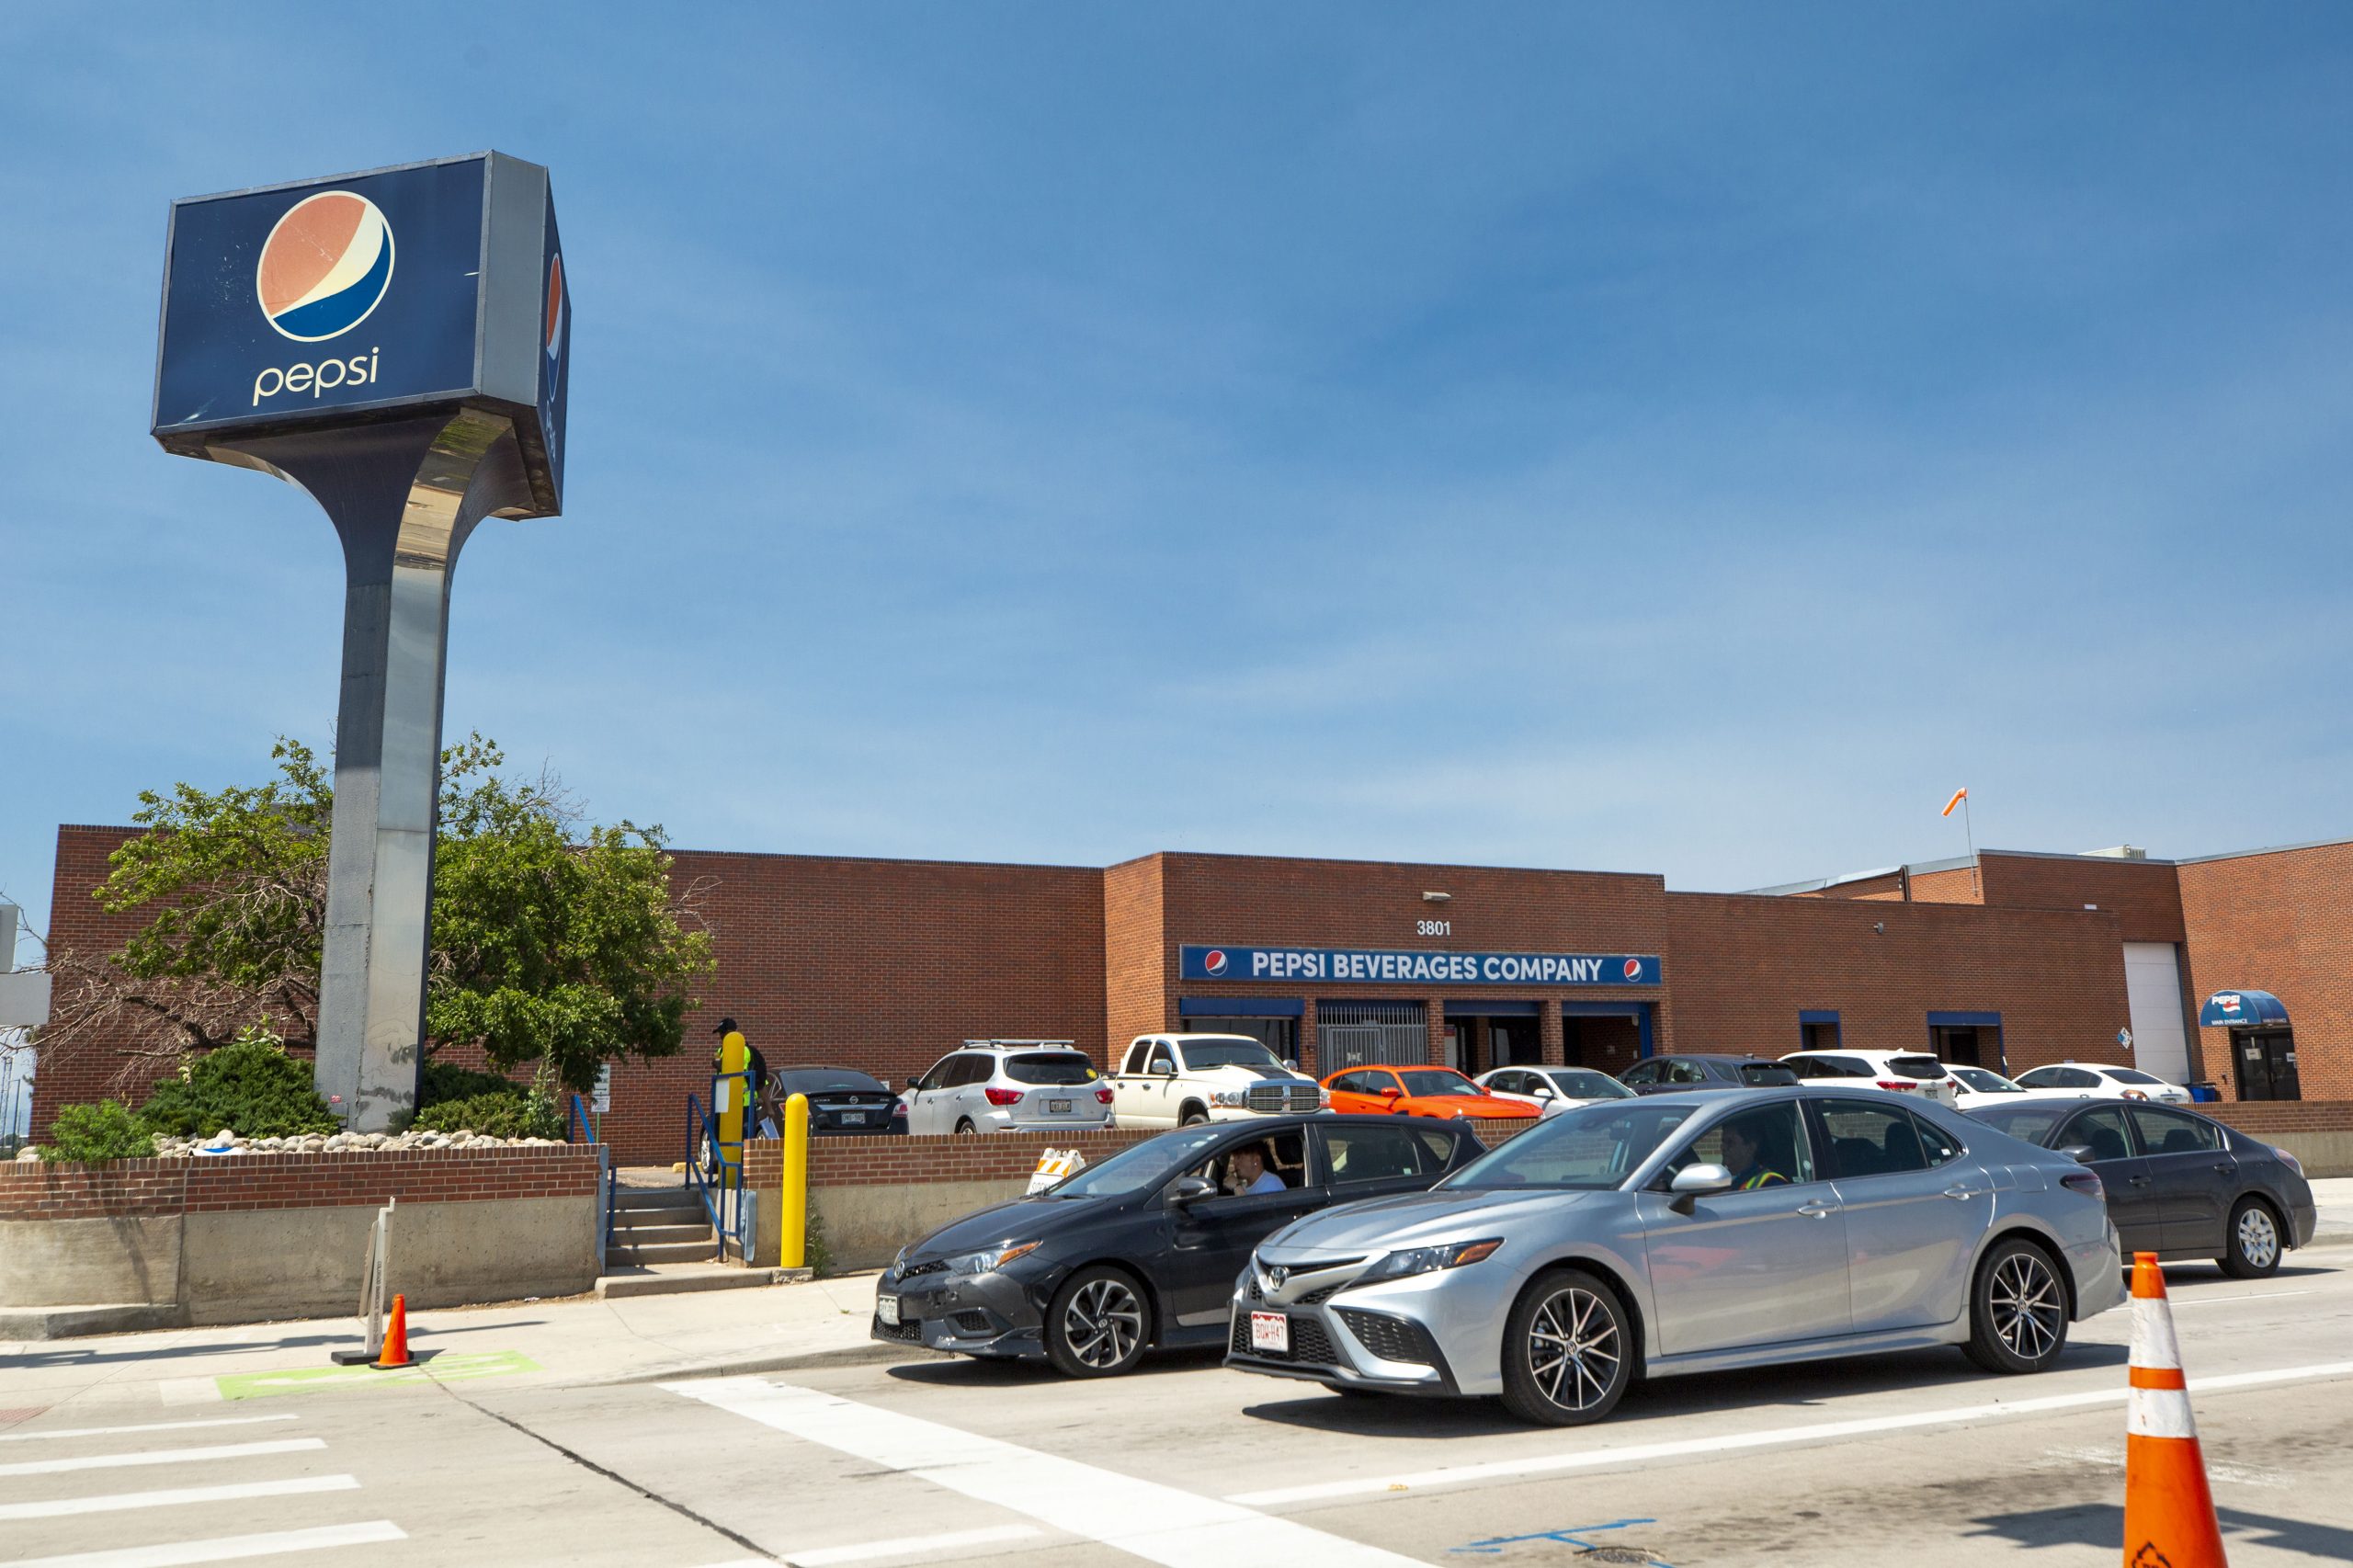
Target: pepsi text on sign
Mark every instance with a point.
(1205, 961)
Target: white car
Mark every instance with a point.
(1182, 1080)
(1899, 1071)
(1975, 1087)
(1009, 1085)
(2090, 1081)
(1552, 1090)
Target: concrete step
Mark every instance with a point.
(655, 1197)
(104, 1317)
(628, 1235)
(702, 1251)
(671, 1278)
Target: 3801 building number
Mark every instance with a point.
(1433, 928)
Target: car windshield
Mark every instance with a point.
(1581, 1085)
(825, 1081)
(2031, 1122)
(1049, 1067)
(1139, 1167)
(1438, 1081)
(1765, 1076)
(1987, 1082)
(1590, 1148)
(1228, 1054)
(1926, 1067)
(2130, 1075)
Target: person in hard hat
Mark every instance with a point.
(1744, 1159)
(1247, 1172)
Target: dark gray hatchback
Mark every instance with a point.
(2179, 1185)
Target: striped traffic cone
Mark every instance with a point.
(396, 1341)
(2169, 1512)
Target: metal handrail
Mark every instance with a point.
(721, 1191)
(581, 1123)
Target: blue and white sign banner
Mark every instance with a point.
(1388, 967)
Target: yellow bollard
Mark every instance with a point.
(793, 1223)
(731, 1093)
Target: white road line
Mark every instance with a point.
(161, 1456)
(1160, 1524)
(115, 1502)
(1590, 1458)
(2179, 1303)
(149, 1426)
(224, 1548)
(908, 1546)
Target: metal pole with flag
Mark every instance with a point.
(1961, 799)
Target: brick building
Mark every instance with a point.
(2012, 961)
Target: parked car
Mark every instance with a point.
(2090, 1081)
(1140, 1250)
(1669, 1075)
(1178, 1080)
(2179, 1185)
(841, 1100)
(1897, 1072)
(1419, 1091)
(1009, 1085)
(1682, 1233)
(1975, 1087)
(1552, 1090)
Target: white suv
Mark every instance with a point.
(1009, 1085)
(1900, 1071)
(1178, 1080)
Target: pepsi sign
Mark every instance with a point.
(384, 294)
(1393, 967)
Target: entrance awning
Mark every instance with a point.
(2238, 1009)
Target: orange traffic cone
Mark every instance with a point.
(396, 1354)
(2169, 1512)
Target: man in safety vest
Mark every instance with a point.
(1742, 1158)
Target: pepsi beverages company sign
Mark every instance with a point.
(1390, 967)
(368, 296)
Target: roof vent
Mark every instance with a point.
(2122, 852)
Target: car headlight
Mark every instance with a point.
(1424, 1260)
(990, 1261)
(1232, 1098)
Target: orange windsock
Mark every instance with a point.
(1957, 797)
(396, 1338)
(2168, 1511)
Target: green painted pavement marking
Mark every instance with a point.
(450, 1366)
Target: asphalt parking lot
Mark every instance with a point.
(919, 1459)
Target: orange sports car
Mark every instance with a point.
(1419, 1091)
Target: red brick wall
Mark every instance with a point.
(2260, 1116)
(1890, 886)
(2143, 894)
(237, 1182)
(1134, 935)
(1956, 886)
(1741, 967)
(2280, 922)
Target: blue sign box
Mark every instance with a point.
(1387, 967)
(385, 294)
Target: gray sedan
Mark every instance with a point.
(1684, 1234)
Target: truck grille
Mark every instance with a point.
(1269, 1099)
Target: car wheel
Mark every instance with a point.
(1096, 1326)
(1193, 1116)
(1568, 1350)
(2254, 1240)
(964, 1124)
(2017, 1310)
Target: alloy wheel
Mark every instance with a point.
(2028, 1309)
(1574, 1349)
(2258, 1238)
(1103, 1323)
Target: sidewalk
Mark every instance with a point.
(579, 1340)
(2334, 1196)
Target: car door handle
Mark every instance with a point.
(2227, 1168)
(2138, 1181)
(1814, 1209)
(1964, 1192)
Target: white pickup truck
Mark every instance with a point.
(1178, 1080)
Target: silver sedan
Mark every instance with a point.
(1683, 1233)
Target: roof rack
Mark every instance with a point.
(983, 1044)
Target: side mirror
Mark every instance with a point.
(1389, 1091)
(1292, 1063)
(1692, 1180)
(1544, 1091)
(2079, 1152)
(1191, 1189)
(1163, 1069)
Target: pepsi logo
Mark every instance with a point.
(1213, 961)
(324, 265)
(1633, 968)
(555, 305)
(2230, 1004)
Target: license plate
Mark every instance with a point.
(1270, 1331)
(856, 1116)
(1058, 1107)
(887, 1309)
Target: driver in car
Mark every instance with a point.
(1742, 1158)
(1246, 1171)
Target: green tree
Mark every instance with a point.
(555, 941)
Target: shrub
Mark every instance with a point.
(103, 1131)
(449, 1082)
(250, 1085)
(511, 1112)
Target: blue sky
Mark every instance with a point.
(1687, 438)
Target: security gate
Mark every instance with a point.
(1358, 1034)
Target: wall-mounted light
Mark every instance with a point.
(1436, 897)
(1880, 926)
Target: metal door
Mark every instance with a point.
(2266, 1064)
(1362, 1034)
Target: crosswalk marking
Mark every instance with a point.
(160, 1455)
(148, 1426)
(909, 1546)
(116, 1502)
(221, 1549)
